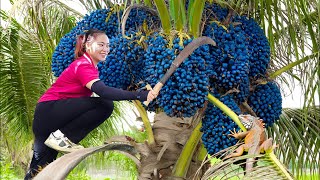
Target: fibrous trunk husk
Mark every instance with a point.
(171, 134)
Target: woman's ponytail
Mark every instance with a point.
(80, 49)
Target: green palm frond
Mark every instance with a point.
(164, 15)
(291, 28)
(23, 78)
(178, 14)
(233, 168)
(297, 133)
(195, 17)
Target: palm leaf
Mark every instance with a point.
(297, 134)
(164, 15)
(60, 168)
(232, 168)
(195, 17)
(26, 60)
(182, 165)
(22, 78)
(177, 12)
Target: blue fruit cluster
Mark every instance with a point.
(230, 58)
(106, 20)
(122, 66)
(114, 71)
(63, 54)
(215, 11)
(259, 49)
(216, 126)
(244, 91)
(187, 88)
(138, 17)
(242, 55)
(266, 102)
(156, 61)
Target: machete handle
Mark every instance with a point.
(156, 89)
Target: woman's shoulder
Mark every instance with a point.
(81, 61)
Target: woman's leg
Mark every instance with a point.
(80, 127)
(42, 156)
(74, 117)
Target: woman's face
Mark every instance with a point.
(98, 48)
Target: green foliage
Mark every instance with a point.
(164, 15)
(309, 176)
(6, 171)
(196, 14)
(297, 134)
(106, 162)
(178, 13)
(78, 174)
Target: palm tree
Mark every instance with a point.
(292, 29)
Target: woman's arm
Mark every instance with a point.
(116, 94)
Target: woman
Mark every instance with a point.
(66, 113)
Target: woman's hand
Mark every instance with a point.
(152, 95)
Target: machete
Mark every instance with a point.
(187, 51)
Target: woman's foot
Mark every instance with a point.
(61, 143)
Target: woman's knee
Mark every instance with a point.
(108, 104)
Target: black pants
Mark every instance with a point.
(74, 117)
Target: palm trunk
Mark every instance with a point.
(171, 134)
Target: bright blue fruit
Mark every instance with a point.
(102, 19)
(258, 49)
(216, 126)
(266, 102)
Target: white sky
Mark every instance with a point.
(293, 100)
(5, 4)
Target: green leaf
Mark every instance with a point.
(164, 15)
(297, 134)
(178, 14)
(293, 64)
(303, 5)
(148, 3)
(189, 17)
(182, 165)
(196, 14)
